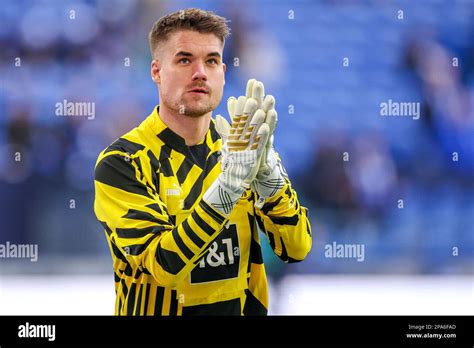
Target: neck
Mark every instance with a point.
(192, 129)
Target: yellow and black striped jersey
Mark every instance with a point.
(174, 254)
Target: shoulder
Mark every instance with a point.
(131, 143)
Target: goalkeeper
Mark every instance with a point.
(182, 196)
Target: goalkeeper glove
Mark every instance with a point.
(271, 174)
(243, 146)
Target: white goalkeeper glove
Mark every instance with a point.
(271, 174)
(243, 146)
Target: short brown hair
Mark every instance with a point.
(188, 19)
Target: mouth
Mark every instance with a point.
(199, 90)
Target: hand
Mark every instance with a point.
(256, 90)
(243, 142)
(271, 174)
(243, 146)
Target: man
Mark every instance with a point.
(180, 196)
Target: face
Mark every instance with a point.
(189, 72)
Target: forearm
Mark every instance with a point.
(286, 224)
(174, 255)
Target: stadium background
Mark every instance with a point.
(403, 193)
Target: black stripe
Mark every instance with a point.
(179, 242)
(271, 239)
(184, 170)
(169, 260)
(138, 273)
(284, 253)
(214, 135)
(211, 212)
(118, 253)
(143, 215)
(160, 295)
(139, 165)
(231, 307)
(124, 288)
(124, 145)
(116, 277)
(174, 141)
(308, 226)
(203, 225)
(199, 154)
(115, 171)
(156, 207)
(131, 299)
(255, 249)
(120, 306)
(155, 167)
(137, 249)
(252, 305)
(194, 192)
(283, 220)
(251, 195)
(139, 300)
(253, 233)
(269, 206)
(206, 151)
(147, 298)
(197, 187)
(292, 260)
(193, 236)
(106, 227)
(139, 232)
(165, 164)
(128, 270)
(260, 224)
(172, 219)
(173, 303)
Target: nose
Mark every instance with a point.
(199, 72)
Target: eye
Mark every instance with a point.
(184, 61)
(213, 61)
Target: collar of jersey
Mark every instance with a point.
(173, 140)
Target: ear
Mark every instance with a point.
(224, 67)
(155, 71)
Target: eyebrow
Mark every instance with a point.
(188, 54)
(214, 54)
(183, 54)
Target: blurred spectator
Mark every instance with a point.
(326, 182)
(448, 103)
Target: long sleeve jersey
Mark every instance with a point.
(174, 254)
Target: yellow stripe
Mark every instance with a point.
(166, 302)
(196, 229)
(210, 178)
(191, 178)
(187, 241)
(142, 305)
(102, 155)
(152, 300)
